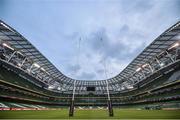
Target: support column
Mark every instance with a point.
(23, 62)
(109, 101)
(143, 74)
(151, 68)
(11, 56)
(31, 67)
(176, 54)
(158, 62)
(169, 56)
(71, 109)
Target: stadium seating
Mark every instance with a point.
(157, 91)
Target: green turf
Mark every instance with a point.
(92, 114)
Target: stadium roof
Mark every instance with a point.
(14, 39)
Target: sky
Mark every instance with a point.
(85, 38)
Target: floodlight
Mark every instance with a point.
(144, 65)
(50, 87)
(162, 64)
(138, 69)
(59, 88)
(174, 46)
(6, 45)
(4, 25)
(36, 65)
(19, 64)
(43, 69)
(122, 88)
(130, 87)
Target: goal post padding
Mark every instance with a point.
(110, 109)
(71, 109)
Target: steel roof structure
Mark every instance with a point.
(128, 77)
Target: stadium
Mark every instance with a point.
(90, 59)
(147, 88)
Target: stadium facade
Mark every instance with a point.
(153, 77)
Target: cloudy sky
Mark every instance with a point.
(79, 36)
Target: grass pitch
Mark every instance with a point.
(91, 114)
